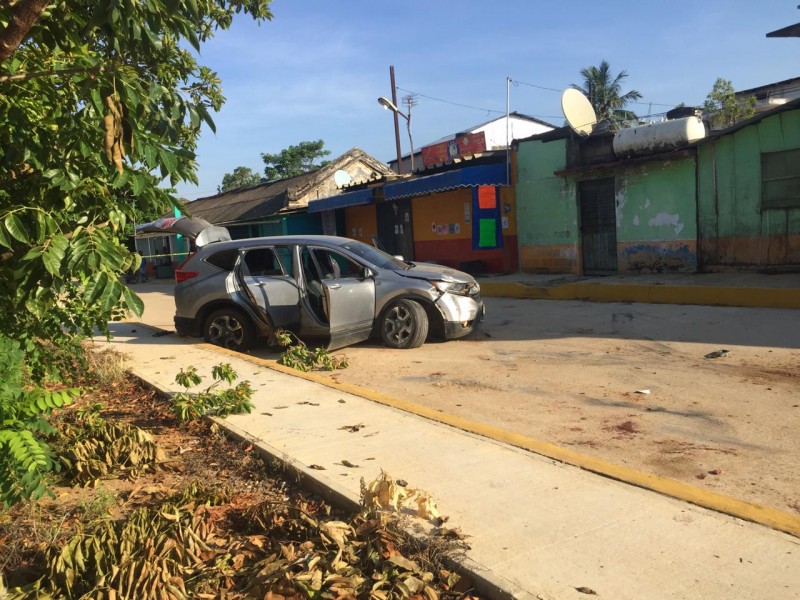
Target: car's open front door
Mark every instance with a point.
(340, 294)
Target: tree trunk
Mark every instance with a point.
(24, 14)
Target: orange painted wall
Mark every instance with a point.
(455, 208)
(361, 222)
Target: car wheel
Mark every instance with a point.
(229, 328)
(404, 325)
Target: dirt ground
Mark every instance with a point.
(577, 374)
(628, 383)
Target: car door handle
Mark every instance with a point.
(261, 283)
(334, 286)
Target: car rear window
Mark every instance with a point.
(224, 259)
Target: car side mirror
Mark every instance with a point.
(367, 273)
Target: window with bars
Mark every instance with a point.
(780, 179)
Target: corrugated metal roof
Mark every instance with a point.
(344, 200)
(450, 180)
(247, 204)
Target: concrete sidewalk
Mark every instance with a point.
(759, 290)
(537, 527)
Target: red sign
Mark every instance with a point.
(445, 152)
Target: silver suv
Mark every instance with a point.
(340, 290)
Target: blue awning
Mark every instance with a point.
(450, 180)
(355, 198)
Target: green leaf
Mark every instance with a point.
(54, 255)
(206, 117)
(95, 288)
(111, 294)
(77, 250)
(121, 179)
(138, 183)
(133, 302)
(113, 256)
(169, 161)
(32, 254)
(97, 101)
(16, 229)
(5, 240)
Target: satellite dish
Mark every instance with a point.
(578, 111)
(341, 178)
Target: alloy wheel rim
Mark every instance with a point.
(226, 332)
(399, 324)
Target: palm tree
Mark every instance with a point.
(604, 93)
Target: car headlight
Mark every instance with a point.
(456, 287)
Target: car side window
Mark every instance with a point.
(284, 254)
(262, 262)
(224, 259)
(337, 266)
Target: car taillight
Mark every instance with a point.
(185, 275)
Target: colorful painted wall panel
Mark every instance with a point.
(443, 231)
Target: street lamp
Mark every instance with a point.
(389, 105)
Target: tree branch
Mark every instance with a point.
(23, 15)
(50, 73)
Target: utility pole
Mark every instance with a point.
(396, 122)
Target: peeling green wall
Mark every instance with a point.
(546, 207)
(733, 230)
(656, 202)
(657, 216)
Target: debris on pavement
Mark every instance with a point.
(717, 353)
(645, 392)
(386, 493)
(586, 590)
(353, 428)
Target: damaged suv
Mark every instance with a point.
(334, 289)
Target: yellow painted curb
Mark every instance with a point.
(770, 517)
(652, 294)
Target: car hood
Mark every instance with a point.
(436, 273)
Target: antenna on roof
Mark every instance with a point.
(341, 178)
(578, 111)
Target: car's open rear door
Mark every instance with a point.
(351, 310)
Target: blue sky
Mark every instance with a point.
(316, 70)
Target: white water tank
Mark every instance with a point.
(659, 137)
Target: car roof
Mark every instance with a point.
(331, 240)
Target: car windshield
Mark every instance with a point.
(372, 255)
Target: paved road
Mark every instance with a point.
(623, 382)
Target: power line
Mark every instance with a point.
(517, 82)
(549, 89)
(488, 110)
(453, 103)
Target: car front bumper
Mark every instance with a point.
(461, 314)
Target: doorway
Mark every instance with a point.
(394, 228)
(598, 226)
